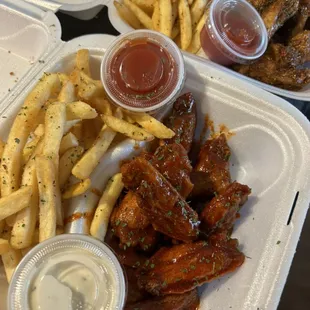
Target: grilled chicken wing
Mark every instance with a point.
(167, 210)
(131, 225)
(221, 213)
(280, 66)
(186, 301)
(277, 13)
(183, 267)
(214, 160)
(182, 121)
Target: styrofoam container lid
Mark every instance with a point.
(270, 153)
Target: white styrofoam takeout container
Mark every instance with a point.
(270, 152)
(303, 95)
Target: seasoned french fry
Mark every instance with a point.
(127, 15)
(89, 88)
(156, 16)
(146, 5)
(175, 29)
(67, 142)
(63, 77)
(195, 44)
(49, 197)
(145, 20)
(67, 93)
(2, 145)
(4, 246)
(100, 222)
(24, 123)
(127, 129)
(197, 10)
(165, 12)
(31, 146)
(102, 105)
(25, 223)
(77, 189)
(70, 124)
(185, 24)
(15, 202)
(85, 166)
(129, 119)
(67, 162)
(80, 110)
(153, 126)
(10, 261)
(175, 10)
(82, 61)
(55, 120)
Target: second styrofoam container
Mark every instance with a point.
(303, 94)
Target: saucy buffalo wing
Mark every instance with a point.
(214, 160)
(169, 213)
(182, 121)
(183, 267)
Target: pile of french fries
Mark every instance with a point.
(64, 127)
(181, 20)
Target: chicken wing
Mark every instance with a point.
(172, 161)
(221, 213)
(260, 4)
(131, 225)
(182, 121)
(277, 13)
(183, 267)
(214, 160)
(186, 301)
(167, 210)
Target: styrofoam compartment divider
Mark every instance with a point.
(270, 153)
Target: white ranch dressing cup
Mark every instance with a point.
(68, 272)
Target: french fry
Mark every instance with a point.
(129, 119)
(153, 126)
(102, 105)
(67, 142)
(100, 222)
(195, 44)
(197, 10)
(82, 61)
(24, 123)
(89, 88)
(67, 93)
(127, 15)
(25, 223)
(185, 24)
(31, 146)
(55, 120)
(2, 145)
(15, 202)
(70, 124)
(165, 12)
(63, 77)
(10, 261)
(67, 162)
(175, 30)
(175, 10)
(156, 16)
(80, 110)
(77, 189)
(4, 246)
(145, 20)
(49, 197)
(85, 166)
(146, 5)
(127, 129)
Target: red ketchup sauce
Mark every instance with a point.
(143, 73)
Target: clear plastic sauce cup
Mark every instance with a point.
(234, 32)
(143, 71)
(68, 272)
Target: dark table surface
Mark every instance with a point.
(296, 295)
